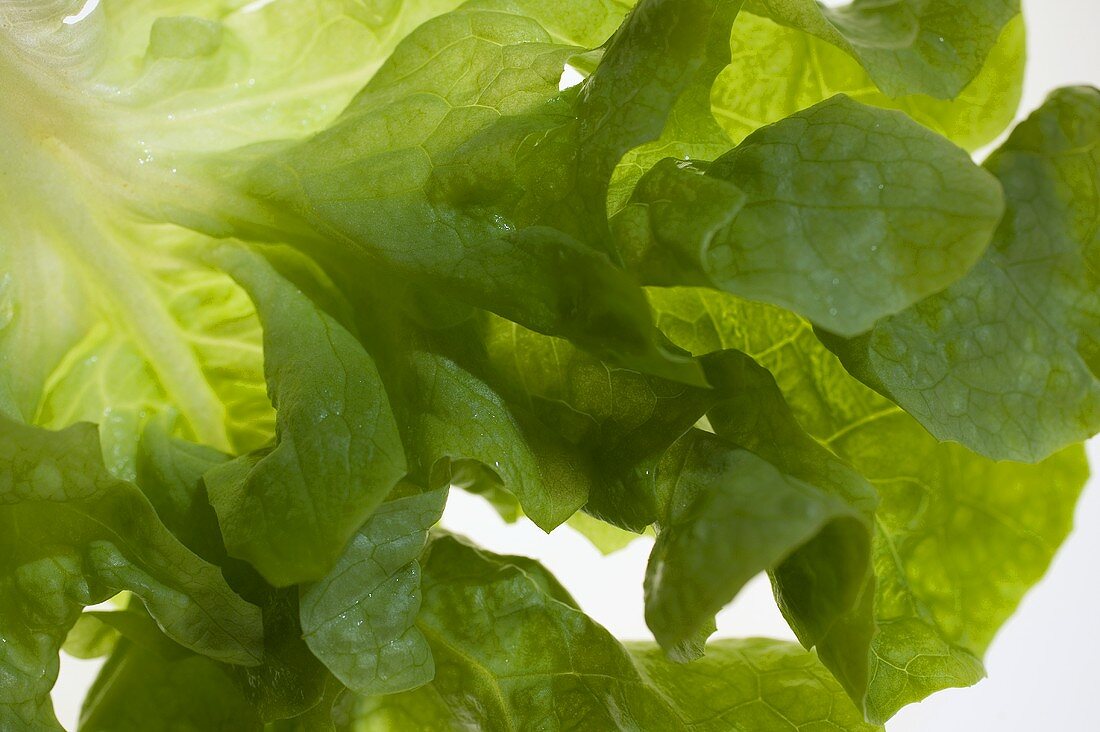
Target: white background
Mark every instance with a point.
(1043, 665)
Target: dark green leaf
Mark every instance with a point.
(641, 80)
(761, 495)
(527, 659)
(73, 535)
(513, 652)
(359, 620)
(138, 689)
(290, 510)
(843, 213)
(1007, 361)
(451, 208)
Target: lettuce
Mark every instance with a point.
(275, 277)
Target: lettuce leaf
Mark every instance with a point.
(275, 276)
(1006, 360)
(73, 536)
(959, 538)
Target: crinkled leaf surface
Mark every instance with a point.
(290, 679)
(74, 535)
(626, 102)
(843, 213)
(359, 620)
(1007, 361)
(395, 218)
(959, 538)
(778, 70)
(108, 319)
(752, 684)
(99, 327)
(457, 424)
(512, 651)
(773, 71)
(169, 473)
(933, 47)
(818, 549)
(731, 516)
(615, 420)
(290, 509)
(591, 680)
(441, 299)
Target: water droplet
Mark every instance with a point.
(836, 280)
(882, 186)
(832, 311)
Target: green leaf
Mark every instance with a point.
(321, 718)
(169, 473)
(388, 218)
(843, 213)
(137, 689)
(778, 71)
(618, 415)
(1007, 360)
(421, 710)
(933, 47)
(217, 74)
(290, 510)
(512, 651)
(572, 22)
(579, 677)
(410, 222)
(731, 516)
(750, 685)
(761, 495)
(74, 536)
(289, 683)
(825, 588)
(638, 83)
(457, 426)
(959, 538)
(291, 680)
(106, 319)
(359, 620)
